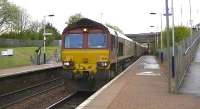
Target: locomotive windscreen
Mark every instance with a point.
(74, 41)
(97, 40)
(91, 40)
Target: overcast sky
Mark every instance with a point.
(132, 16)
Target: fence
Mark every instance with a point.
(184, 54)
(25, 52)
(25, 43)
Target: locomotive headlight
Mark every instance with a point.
(102, 64)
(105, 64)
(66, 63)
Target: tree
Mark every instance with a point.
(180, 32)
(35, 26)
(23, 22)
(9, 15)
(50, 29)
(114, 27)
(15, 23)
(74, 18)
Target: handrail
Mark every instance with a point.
(187, 50)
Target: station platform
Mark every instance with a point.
(27, 69)
(143, 85)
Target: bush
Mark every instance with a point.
(26, 35)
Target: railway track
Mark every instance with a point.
(72, 100)
(17, 96)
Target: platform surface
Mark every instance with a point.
(27, 69)
(141, 86)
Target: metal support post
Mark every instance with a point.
(44, 41)
(173, 43)
(161, 39)
(167, 35)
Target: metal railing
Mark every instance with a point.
(184, 54)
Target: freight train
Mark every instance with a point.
(91, 48)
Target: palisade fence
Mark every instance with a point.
(25, 43)
(184, 54)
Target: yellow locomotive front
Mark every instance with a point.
(85, 50)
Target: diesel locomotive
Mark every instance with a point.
(90, 48)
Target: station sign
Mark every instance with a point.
(47, 34)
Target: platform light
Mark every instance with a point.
(45, 34)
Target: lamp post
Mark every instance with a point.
(161, 36)
(190, 17)
(44, 35)
(171, 74)
(173, 42)
(173, 39)
(167, 36)
(155, 38)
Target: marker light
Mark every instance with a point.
(85, 30)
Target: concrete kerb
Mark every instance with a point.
(25, 71)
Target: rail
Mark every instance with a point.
(60, 102)
(72, 100)
(14, 97)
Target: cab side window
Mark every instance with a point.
(120, 49)
(113, 41)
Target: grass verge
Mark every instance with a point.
(22, 56)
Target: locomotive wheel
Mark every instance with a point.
(69, 82)
(103, 75)
(69, 75)
(111, 74)
(120, 68)
(91, 77)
